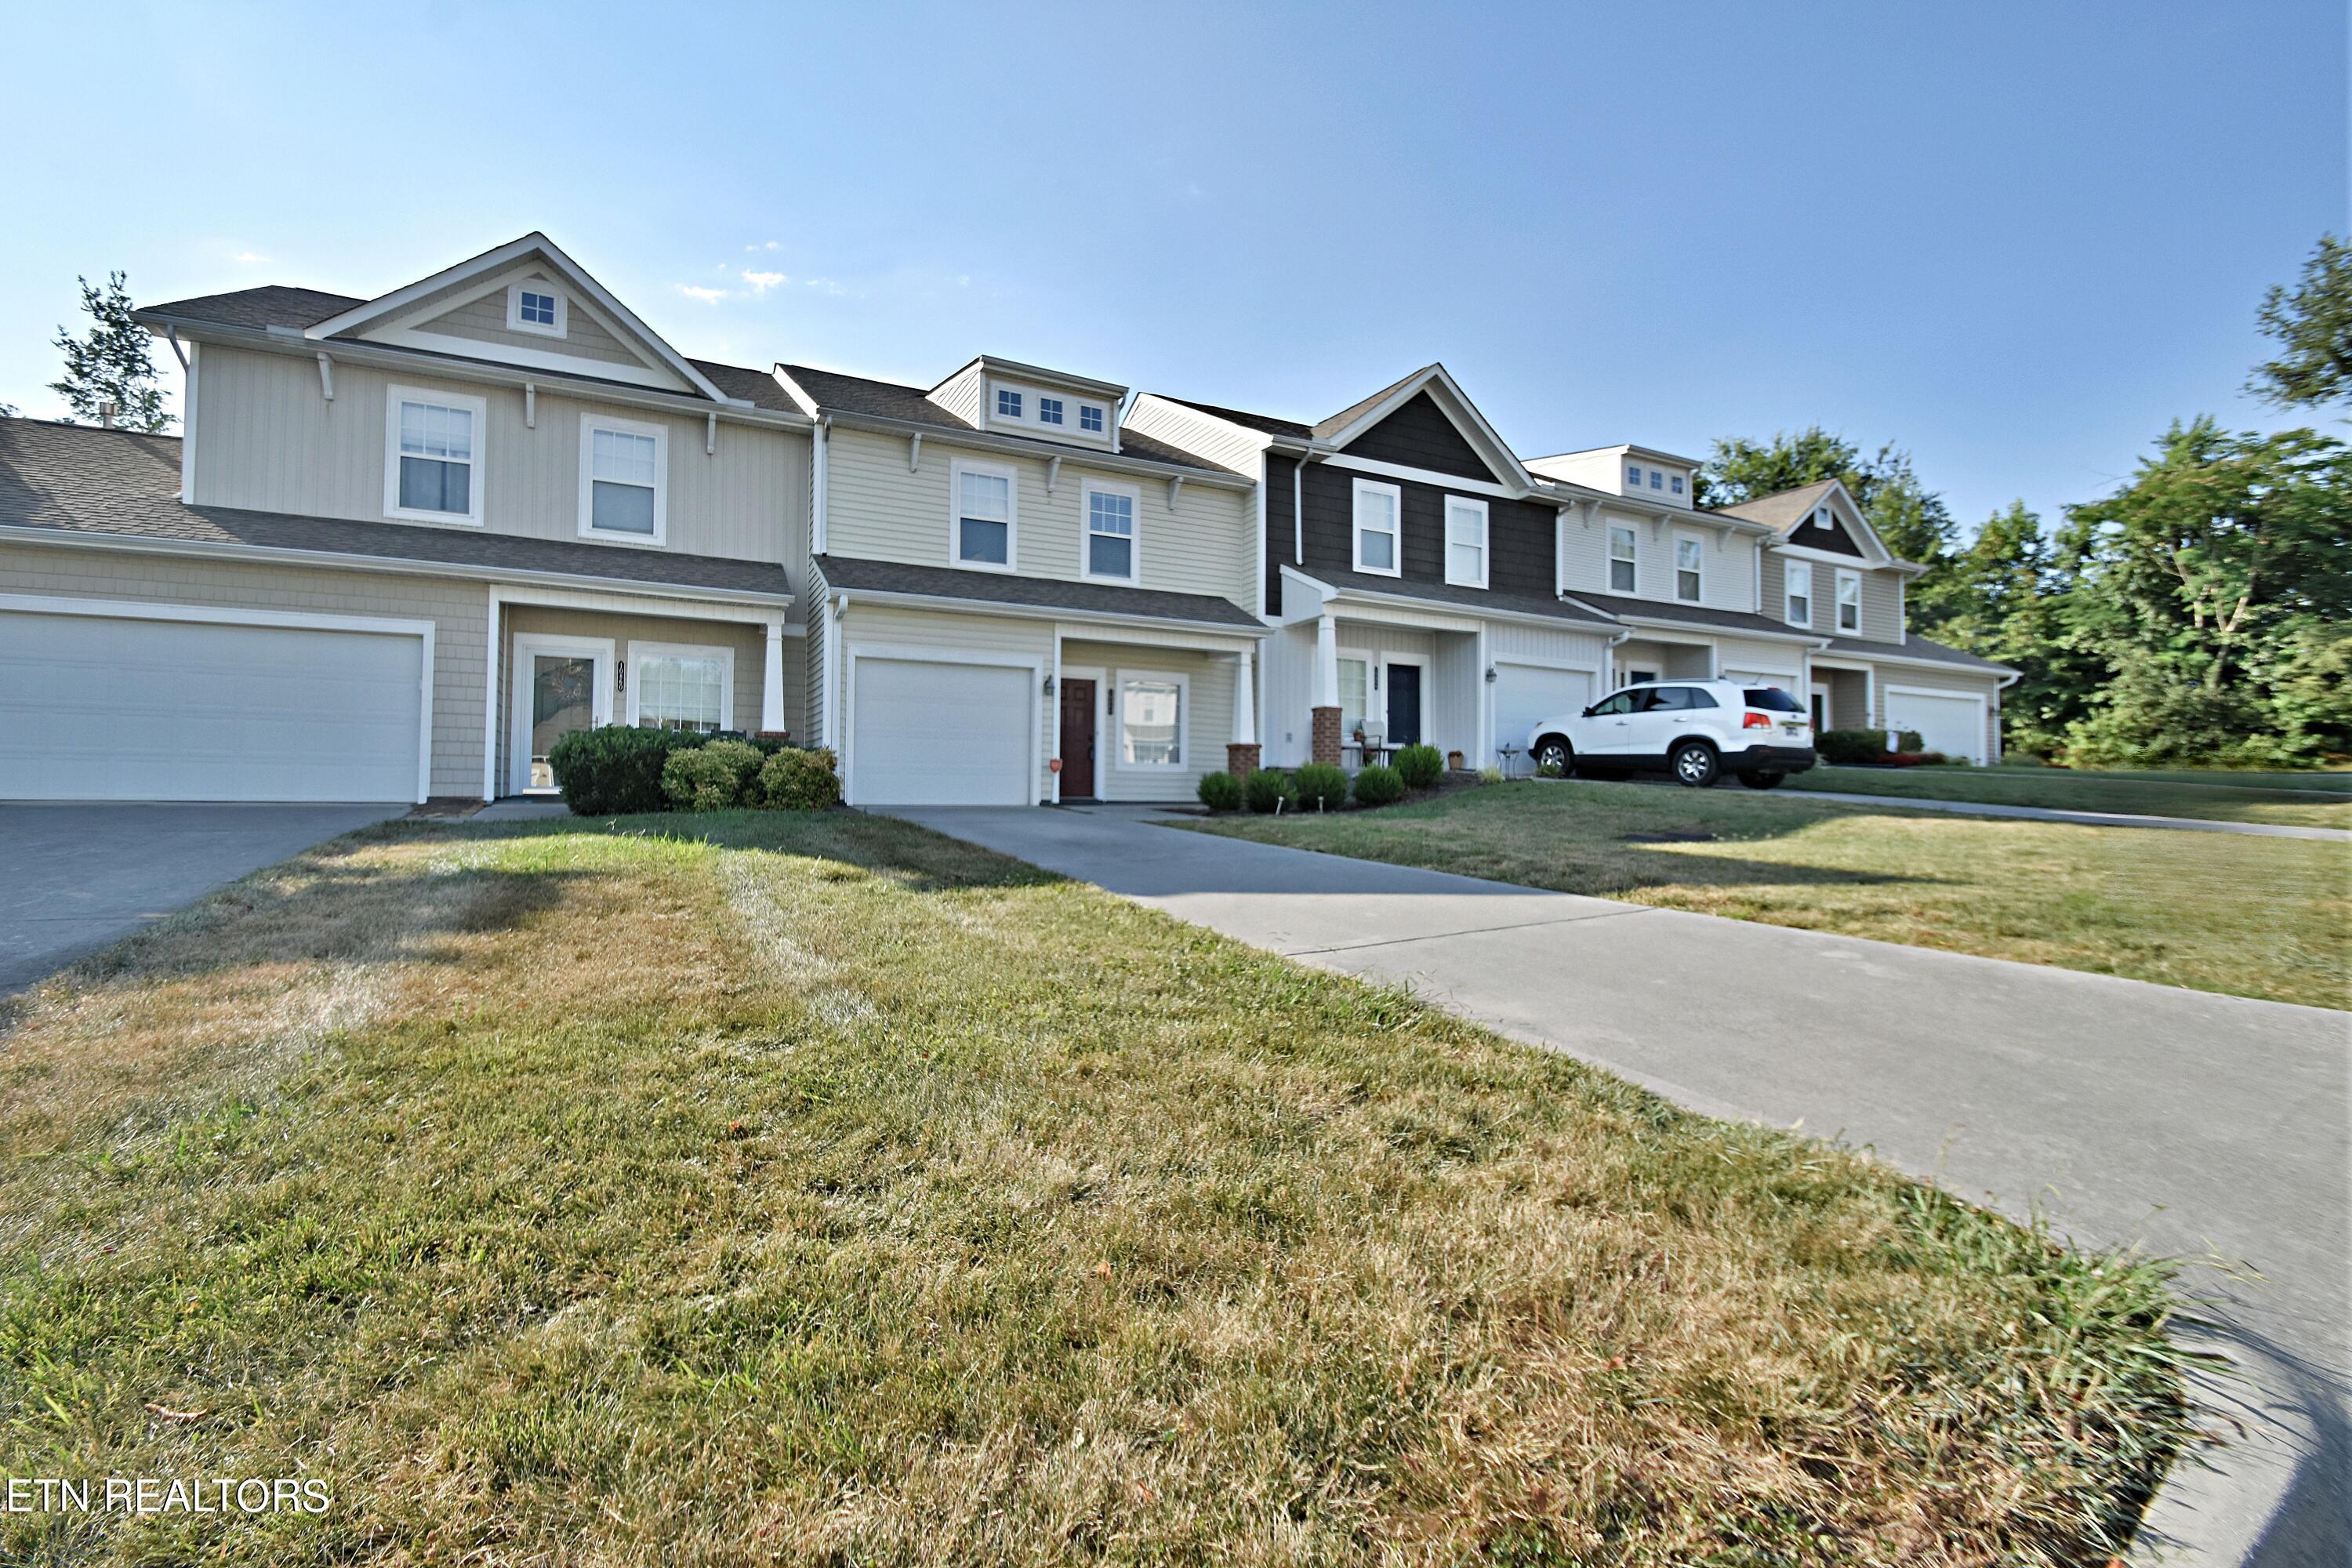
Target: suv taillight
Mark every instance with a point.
(1756, 722)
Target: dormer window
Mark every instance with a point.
(1091, 419)
(1677, 484)
(1008, 404)
(536, 306)
(1633, 475)
(1049, 411)
(1657, 480)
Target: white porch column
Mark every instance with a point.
(1327, 663)
(1245, 700)
(771, 678)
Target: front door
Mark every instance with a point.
(560, 684)
(1821, 707)
(1404, 705)
(1078, 738)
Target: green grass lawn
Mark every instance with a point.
(2305, 800)
(823, 1190)
(2257, 917)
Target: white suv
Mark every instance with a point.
(1697, 730)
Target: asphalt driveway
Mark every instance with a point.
(2207, 1127)
(75, 878)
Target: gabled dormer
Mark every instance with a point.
(1644, 473)
(1825, 569)
(1014, 399)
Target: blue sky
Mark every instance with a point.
(2017, 239)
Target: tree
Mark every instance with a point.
(112, 364)
(2314, 325)
(2002, 599)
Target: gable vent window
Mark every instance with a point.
(538, 309)
(1008, 404)
(1091, 419)
(1623, 562)
(624, 463)
(535, 306)
(1049, 411)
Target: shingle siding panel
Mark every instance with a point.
(1420, 436)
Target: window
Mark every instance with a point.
(1008, 404)
(680, 688)
(433, 455)
(1378, 507)
(1049, 411)
(1770, 700)
(1633, 475)
(1150, 720)
(623, 467)
(1676, 484)
(1690, 555)
(1355, 694)
(1657, 480)
(1624, 559)
(1110, 533)
(1849, 601)
(1090, 417)
(985, 517)
(1641, 676)
(1620, 703)
(1466, 542)
(536, 306)
(1800, 588)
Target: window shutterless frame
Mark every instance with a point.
(1103, 524)
(1797, 594)
(1690, 561)
(1466, 541)
(521, 319)
(639, 431)
(1378, 514)
(1149, 684)
(1849, 601)
(1624, 550)
(436, 446)
(643, 652)
(1011, 520)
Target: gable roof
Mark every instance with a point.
(1446, 392)
(841, 393)
(1787, 511)
(1783, 509)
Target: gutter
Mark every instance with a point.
(1051, 612)
(982, 440)
(1448, 607)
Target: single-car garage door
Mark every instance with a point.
(1947, 721)
(1527, 694)
(941, 734)
(136, 705)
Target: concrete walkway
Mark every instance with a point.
(2089, 818)
(2204, 1126)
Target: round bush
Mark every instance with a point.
(1221, 792)
(616, 769)
(1269, 791)
(710, 777)
(798, 778)
(1321, 787)
(1379, 784)
(1419, 766)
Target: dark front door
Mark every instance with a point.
(1404, 705)
(1077, 740)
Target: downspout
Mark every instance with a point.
(817, 470)
(1298, 510)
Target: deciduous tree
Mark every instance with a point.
(2313, 325)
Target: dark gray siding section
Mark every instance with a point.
(1519, 534)
(1814, 537)
(1420, 436)
(1281, 537)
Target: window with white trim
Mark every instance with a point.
(985, 518)
(1110, 532)
(1151, 720)
(1355, 693)
(1380, 510)
(433, 455)
(624, 470)
(677, 687)
(1676, 484)
(1690, 560)
(1633, 475)
(1849, 601)
(1091, 419)
(1008, 404)
(1624, 559)
(1049, 411)
(536, 306)
(1657, 479)
(1466, 541)
(1798, 586)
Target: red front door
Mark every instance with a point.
(1077, 740)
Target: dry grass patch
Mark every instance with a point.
(831, 1190)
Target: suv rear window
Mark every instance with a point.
(1772, 700)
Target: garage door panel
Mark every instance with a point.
(1951, 723)
(1526, 695)
(95, 707)
(939, 733)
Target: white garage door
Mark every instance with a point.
(99, 707)
(1785, 681)
(1946, 722)
(1525, 695)
(941, 734)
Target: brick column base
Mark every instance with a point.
(1325, 747)
(1241, 758)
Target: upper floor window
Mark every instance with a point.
(1110, 533)
(432, 461)
(1049, 411)
(1008, 404)
(1676, 484)
(1624, 559)
(536, 306)
(1379, 509)
(1690, 554)
(1657, 480)
(1466, 541)
(984, 519)
(1849, 601)
(622, 470)
(1090, 417)
(1798, 585)
(1633, 475)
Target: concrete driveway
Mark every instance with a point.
(75, 878)
(2205, 1126)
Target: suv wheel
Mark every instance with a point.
(1762, 781)
(1553, 752)
(1693, 764)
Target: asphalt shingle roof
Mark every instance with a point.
(854, 573)
(1782, 510)
(1622, 605)
(1265, 422)
(1919, 648)
(848, 393)
(80, 480)
(1450, 594)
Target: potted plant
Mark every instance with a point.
(1453, 762)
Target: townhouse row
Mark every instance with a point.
(404, 544)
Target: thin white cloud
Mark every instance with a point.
(770, 245)
(825, 284)
(707, 296)
(251, 256)
(761, 283)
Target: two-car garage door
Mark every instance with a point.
(941, 734)
(128, 702)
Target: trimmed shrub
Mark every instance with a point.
(618, 768)
(1321, 787)
(1419, 766)
(1490, 774)
(798, 778)
(710, 777)
(1852, 747)
(1379, 785)
(1269, 791)
(1910, 741)
(1221, 792)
